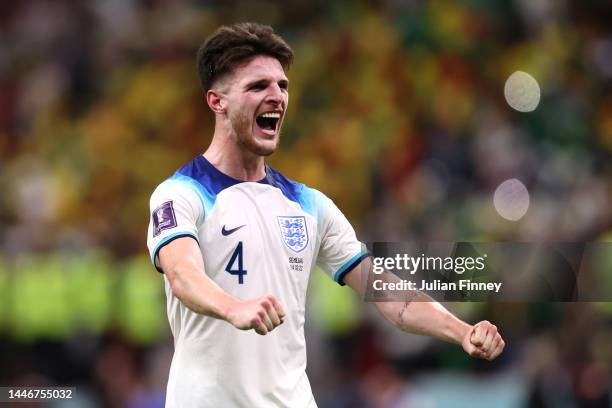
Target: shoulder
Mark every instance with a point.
(310, 199)
(185, 183)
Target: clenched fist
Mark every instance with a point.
(483, 341)
(262, 314)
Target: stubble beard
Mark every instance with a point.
(242, 131)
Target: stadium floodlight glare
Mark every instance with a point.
(522, 92)
(511, 200)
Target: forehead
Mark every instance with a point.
(258, 68)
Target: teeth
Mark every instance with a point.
(274, 115)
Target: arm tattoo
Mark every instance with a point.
(412, 294)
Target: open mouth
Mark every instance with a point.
(268, 121)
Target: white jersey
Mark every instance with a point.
(256, 238)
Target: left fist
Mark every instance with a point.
(483, 341)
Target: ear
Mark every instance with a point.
(215, 101)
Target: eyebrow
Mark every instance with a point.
(284, 82)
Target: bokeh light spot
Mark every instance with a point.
(511, 200)
(522, 92)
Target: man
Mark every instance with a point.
(236, 241)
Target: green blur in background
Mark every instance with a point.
(50, 297)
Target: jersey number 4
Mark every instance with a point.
(236, 258)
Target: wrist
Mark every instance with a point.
(457, 329)
(227, 308)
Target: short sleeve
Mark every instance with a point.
(340, 251)
(176, 210)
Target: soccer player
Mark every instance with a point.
(236, 241)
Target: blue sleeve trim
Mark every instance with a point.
(349, 266)
(165, 242)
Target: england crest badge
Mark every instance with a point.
(294, 232)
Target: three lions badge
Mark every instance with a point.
(294, 232)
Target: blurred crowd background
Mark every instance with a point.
(397, 113)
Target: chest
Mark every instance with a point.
(255, 239)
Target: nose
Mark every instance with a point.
(275, 95)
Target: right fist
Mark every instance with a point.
(262, 314)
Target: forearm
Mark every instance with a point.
(183, 266)
(420, 314)
(198, 292)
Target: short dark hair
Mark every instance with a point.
(233, 45)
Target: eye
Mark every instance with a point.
(283, 85)
(258, 86)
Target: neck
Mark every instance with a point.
(228, 157)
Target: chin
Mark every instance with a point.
(265, 150)
(261, 145)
